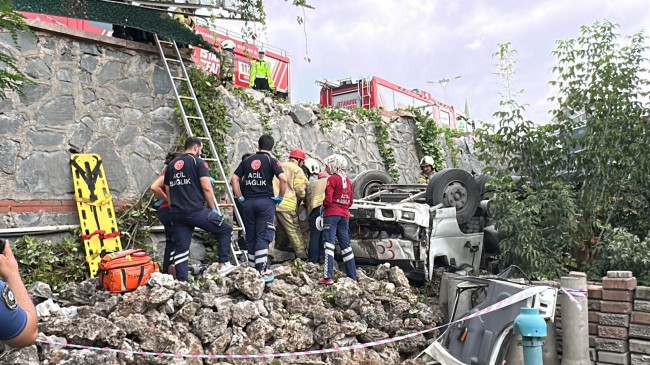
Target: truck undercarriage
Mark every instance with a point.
(418, 227)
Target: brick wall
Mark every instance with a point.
(619, 321)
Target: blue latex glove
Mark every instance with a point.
(212, 181)
(277, 200)
(215, 211)
(158, 203)
(242, 200)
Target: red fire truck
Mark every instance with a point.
(244, 52)
(376, 92)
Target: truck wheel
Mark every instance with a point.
(369, 182)
(454, 188)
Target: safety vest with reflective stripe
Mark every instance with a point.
(316, 194)
(261, 69)
(296, 187)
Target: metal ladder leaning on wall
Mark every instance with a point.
(188, 121)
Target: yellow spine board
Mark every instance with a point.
(95, 207)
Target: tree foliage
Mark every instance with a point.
(11, 77)
(561, 192)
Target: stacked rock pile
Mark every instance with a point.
(237, 314)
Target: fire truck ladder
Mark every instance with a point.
(364, 93)
(188, 121)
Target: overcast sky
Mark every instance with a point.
(410, 42)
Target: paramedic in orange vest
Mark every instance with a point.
(18, 318)
(261, 75)
(316, 195)
(287, 211)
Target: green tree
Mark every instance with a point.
(534, 212)
(560, 193)
(11, 77)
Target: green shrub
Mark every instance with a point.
(55, 263)
(621, 250)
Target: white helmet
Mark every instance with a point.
(313, 166)
(319, 223)
(228, 44)
(426, 161)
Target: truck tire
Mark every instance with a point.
(454, 188)
(368, 182)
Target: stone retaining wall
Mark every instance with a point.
(111, 97)
(98, 94)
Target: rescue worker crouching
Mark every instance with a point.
(256, 194)
(158, 189)
(287, 211)
(261, 75)
(426, 164)
(189, 187)
(227, 66)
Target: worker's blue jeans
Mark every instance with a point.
(184, 224)
(259, 218)
(336, 227)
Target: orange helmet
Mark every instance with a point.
(298, 154)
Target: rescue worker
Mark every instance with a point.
(316, 195)
(261, 75)
(287, 211)
(158, 189)
(18, 318)
(426, 164)
(241, 240)
(336, 217)
(227, 66)
(311, 168)
(187, 18)
(252, 183)
(189, 188)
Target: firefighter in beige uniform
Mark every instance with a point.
(316, 195)
(287, 211)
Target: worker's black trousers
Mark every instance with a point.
(261, 84)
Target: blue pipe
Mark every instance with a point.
(532, 328)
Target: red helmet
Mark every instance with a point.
(298, 154)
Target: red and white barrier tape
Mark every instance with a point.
(525, 294)
(572, 293)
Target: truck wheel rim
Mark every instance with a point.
(455, 195)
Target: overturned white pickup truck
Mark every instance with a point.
(419, 227)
